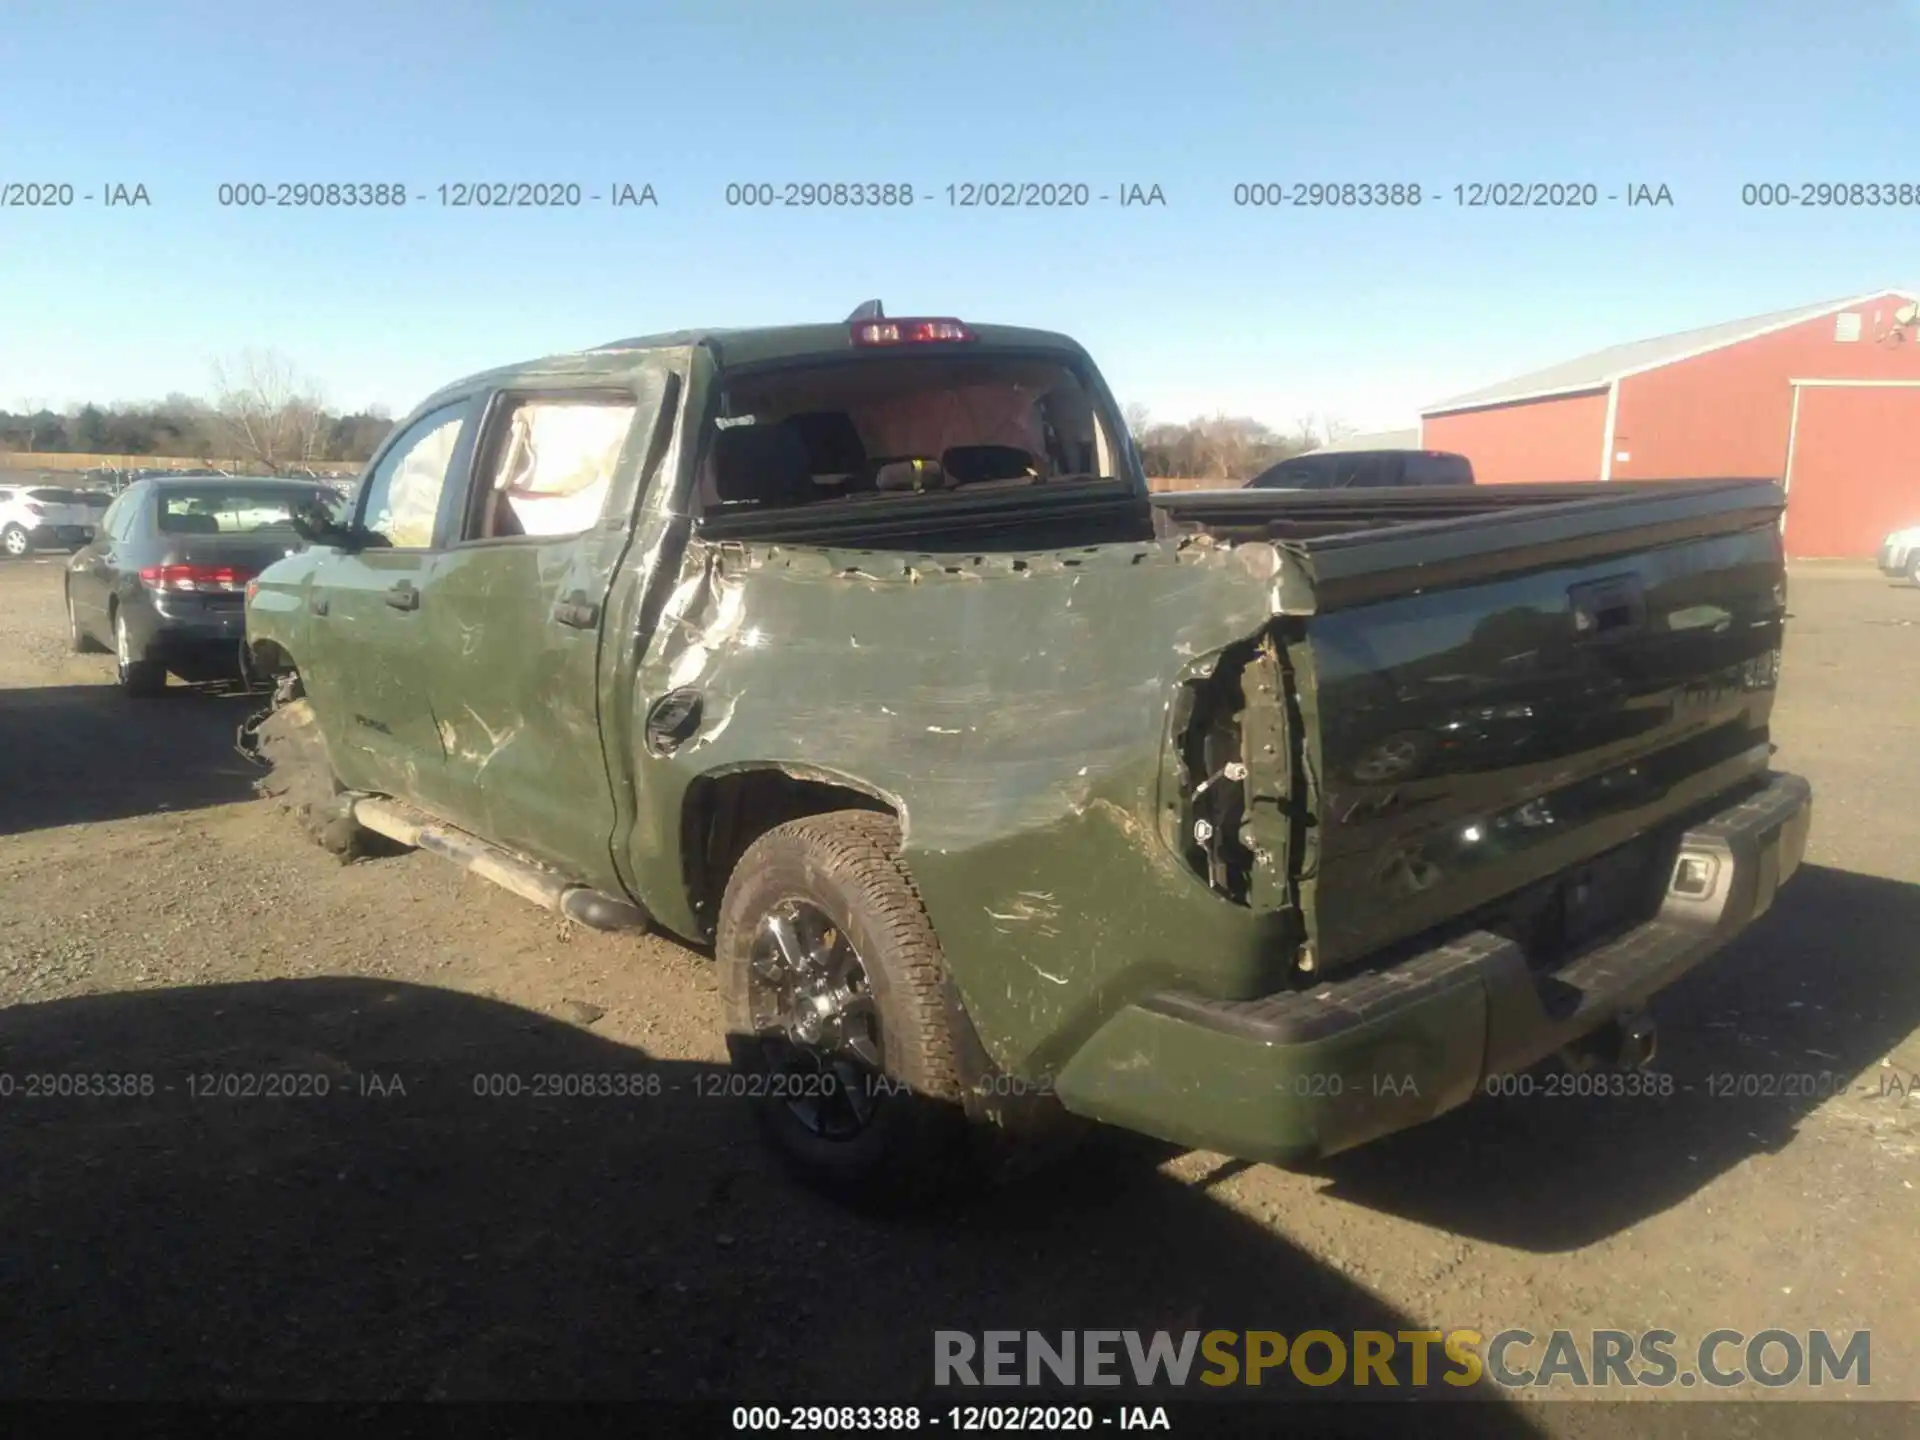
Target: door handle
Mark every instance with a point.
(403, 596)
(577, 611)
(317, 603)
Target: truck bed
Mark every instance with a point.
(1244, 740)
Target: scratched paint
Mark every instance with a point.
(1023, 737)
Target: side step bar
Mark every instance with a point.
(544, 888)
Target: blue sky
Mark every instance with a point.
(1190, 308)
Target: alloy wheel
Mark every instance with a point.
(819, 1025)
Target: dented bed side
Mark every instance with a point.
(1016, 712)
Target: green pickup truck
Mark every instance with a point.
(1004, 789)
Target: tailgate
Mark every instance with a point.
(1492, 701)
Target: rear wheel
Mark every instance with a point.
(78, 639)
(301, 778)
(841, 1018)
(15, 543)
(139, 677)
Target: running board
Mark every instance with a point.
(543, 887)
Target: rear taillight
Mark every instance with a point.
(201, 579)
(909, 332)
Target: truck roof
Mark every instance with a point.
(750, 345)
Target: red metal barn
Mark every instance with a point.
(1824, 398)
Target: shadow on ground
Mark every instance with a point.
(74, 754)
(1807, 1002)
(404, 1236)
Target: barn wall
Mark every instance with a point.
(1532, 442)
(1727, 412)
(1853, 470)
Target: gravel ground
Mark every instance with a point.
(403, 1236)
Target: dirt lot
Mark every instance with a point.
(405, 1237)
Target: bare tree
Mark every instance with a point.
(30, 410)
(269, 413)
(1138, 418)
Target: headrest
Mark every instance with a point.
(973, 464)
(759, 462)
(188, 522)
(833, 443)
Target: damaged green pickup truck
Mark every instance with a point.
(1260, 821)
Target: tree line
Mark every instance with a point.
(267, 416)
(262, 413)
(1223, 447)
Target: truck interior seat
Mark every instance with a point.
(989, 467)
(836, 455)
(763, 465)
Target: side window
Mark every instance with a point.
(110, 522)
(401, 497)
(549, 468)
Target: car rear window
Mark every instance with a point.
(232, 510)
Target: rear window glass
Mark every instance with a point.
(231, 510)
(1315, 472)
(1431, 469)
(904, 425)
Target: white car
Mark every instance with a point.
(1900, 553)
(35, 515)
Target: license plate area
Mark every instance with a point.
(1591, 902)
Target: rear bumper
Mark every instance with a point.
(206, 642)
(1291, 1077)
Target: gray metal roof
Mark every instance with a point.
(1603, 367)
(1374, 440)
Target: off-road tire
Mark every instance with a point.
(934, 1137)
(301, 778)
(78, 640)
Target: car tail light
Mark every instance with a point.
(201, 579)
(910, 332)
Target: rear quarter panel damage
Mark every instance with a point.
(1016, 710)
